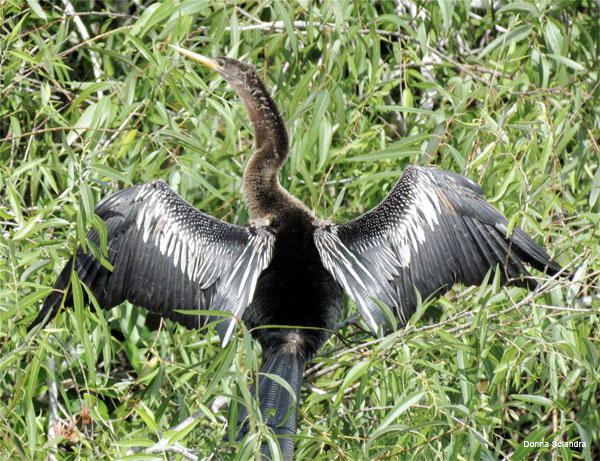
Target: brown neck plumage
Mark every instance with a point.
(261, 188)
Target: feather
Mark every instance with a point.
(167, 255)
(433, 229)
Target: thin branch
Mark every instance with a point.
(86, 36)
(52, 403)
(162, 446)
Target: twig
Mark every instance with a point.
(86, 36)
(162, 446)
(62, 55)
(60, 128)
(52, 404)
(303, 25)
(122, 127)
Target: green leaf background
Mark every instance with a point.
(506, 96)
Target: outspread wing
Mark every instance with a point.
(169, 256)
(434, 229)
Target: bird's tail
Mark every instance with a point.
(282, 421)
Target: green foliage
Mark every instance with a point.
(508, 97)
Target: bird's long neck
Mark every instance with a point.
(261, 188)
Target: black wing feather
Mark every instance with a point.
(434, 229)
(168, 256)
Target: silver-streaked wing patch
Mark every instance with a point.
(170, 257)
(433, 229)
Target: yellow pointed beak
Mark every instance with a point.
(198, 57)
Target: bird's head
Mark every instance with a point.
(233, 71)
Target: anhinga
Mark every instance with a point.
(288, 268)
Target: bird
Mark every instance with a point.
(285, 272)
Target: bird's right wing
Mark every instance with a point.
(167, 256)
(434, 229)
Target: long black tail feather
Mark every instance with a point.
(273, 396)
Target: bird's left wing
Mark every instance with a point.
(168, 257)
(434, 229)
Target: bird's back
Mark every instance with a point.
(295, 290)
